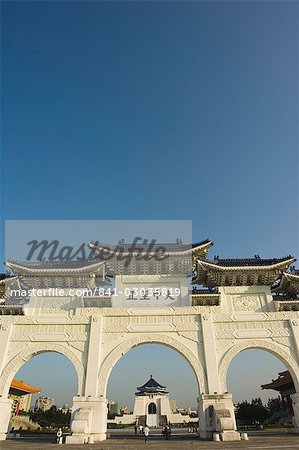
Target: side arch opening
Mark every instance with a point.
(261, 381)
(40, 384)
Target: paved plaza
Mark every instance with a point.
(258, 441)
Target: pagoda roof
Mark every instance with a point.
(139, 258)
(54, 267)
(205, 297)
(180, 253)
(284, 297)
(8, 282)
(283, 382)
(170, 248)
(151, 387)
(24, 388)
(286, 302)
(11, 310)
(64, 274)
(151, 383)
(6, 279)
(250, 262)
(289, 283)
(238, 272)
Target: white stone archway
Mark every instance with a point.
(237, 310)
(168, 341)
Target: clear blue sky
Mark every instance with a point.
(149, 110)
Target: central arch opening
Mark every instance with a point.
(154, 385)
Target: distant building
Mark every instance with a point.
(152, 403)
(182, 411)
(285, 386)
(124, 410)
(65, 409)
(154, 408)
(44, 403)
(173, 405)
(21, 394)
(112, 408)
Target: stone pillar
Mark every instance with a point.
(294, 325)
(295, 404)
(205, 418)
(5, 333)
(89, 420)
(210, 354)
(5, 413)
(216, 414)
(93, 361)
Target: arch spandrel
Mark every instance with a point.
(32, 350)
(270, 347)
(123, 348)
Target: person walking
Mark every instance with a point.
(146, 433)
(140, 429)
(135, 428)
(167, 432)
(59, 436)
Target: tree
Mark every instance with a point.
(252, 413)
(260, 412)
(53, 417)
(275, 405)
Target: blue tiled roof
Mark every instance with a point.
(249, 261)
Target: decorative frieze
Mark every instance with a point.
(151, 323)
(252, 329)
(50, 332)
(246, 303)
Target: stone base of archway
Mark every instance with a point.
(85, 438)
(230, 436)
(5, 413)
(295, 404)
(89, 420)
(216, 415)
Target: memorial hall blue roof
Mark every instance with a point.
(151, 383)
(151, 387)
